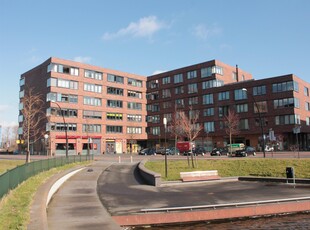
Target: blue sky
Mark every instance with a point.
(264, 37)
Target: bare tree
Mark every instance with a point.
(190, 128)
(232, 125)
(33, 116)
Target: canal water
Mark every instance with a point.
(283, 222)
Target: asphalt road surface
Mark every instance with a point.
(122, 191)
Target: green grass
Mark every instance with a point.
(15, 206)
(9, 164)
(232, 168)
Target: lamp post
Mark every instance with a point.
(260, 121)
(46, 143)
(66, 126)
(166, 165)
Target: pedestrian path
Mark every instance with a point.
(77, 206)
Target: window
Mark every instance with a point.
(134, 94)
(212, 84)
(223, 96)
(168, 116)
(287, 119)
(259, 90)
(134, 82)
(92, 88)
(286, 102)
(285, 86)
(191, 74)
(93, 74)
(207, 99)
(240, 94)
(209, 127)
(22, 82)
(308, 121)
(114, 129)
(208, 112)
(115, 103)
(166, 93)
(207, 72)
(134, 105)
(242, 108)
(155, 130)
(244, 124)
(264, 121)
(178, 78)
(134, 117)
(193, 101)
(153, 95)
(307, 106)
(306, 91)
(134, 130)
(92, 101)
(192, 114)
(114, 116)
(61, 83)
(234, 76)
(62, 112)
(91, 128)
(52, 67)
(179, 103)
(116, 79)
(87, 114)
(152, 84)
(179, 90)
(261, 106)
(166, 80)
(21, 94)
(63, 127)
(167, 104)
(115, 91)
(223, 110)
(192, 88)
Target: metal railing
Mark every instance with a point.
(12, 178)
(215, 206)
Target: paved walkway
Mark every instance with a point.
(76, 205)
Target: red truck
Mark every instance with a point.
(185, 146)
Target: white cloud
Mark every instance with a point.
(82, 59)
(145, 27)
(203, 32)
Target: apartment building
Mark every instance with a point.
(110, 111)
(212, 88)
(102, 110)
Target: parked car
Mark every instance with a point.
(174, 151)
(147, 151)
(245, 152)
(199, 151)
(218, 152)
(162, 151)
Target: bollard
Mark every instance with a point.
(130, 159)
(119, 159)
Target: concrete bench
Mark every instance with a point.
(199, 175)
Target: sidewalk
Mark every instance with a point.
(76, 205)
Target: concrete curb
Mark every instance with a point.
(38, 215)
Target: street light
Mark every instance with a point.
(45, 143)
(260, 121)
(165, 151)
(66, 126)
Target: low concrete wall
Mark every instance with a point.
(149, 176)
(274, 179)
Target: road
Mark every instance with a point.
(122, 191)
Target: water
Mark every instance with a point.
(283, 222)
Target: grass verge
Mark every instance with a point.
(9, 164)
(232, 168)
(15, 206)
